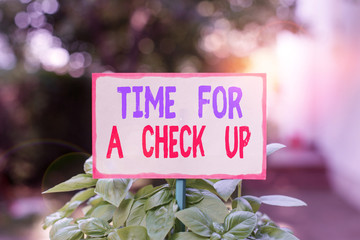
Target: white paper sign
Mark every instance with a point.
(154, 125)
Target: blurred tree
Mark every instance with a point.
(49, 48)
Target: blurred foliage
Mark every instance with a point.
(49, 48)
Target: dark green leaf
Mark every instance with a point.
(94, 227)
(193, 196)
(160, 198)
(137, 213)
(255, 202)
(273, 147)
(274, 233)
(197, 221)
(88, 166)
(113, 190)
(240, 223)
(122, 212)
(241, 204)
(283, 201)
(187, 236)
(212, 206)
(159, 221)
(77, 182)
(129, 233)
(226, 187)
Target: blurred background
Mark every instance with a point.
(310, 51)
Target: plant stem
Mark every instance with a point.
(239, 188)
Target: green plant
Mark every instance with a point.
(113, 212)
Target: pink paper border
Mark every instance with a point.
(97, 174)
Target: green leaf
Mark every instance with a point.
(105, 212)
(147, 192)
(215, 236)
(129, 233)
(94, 201)
(171, 182)
(205, 184)
(197, 221)
(69, 207)
(273, 147)
(212, 206)
(241, 204)
(137, 213)
(193, 196)
(52, 218)
(94, 227)
(159, 221)
(240, 223)
(283, 201)
(187, 236)
(160, 198)
(274, 233)
(144, 190)
(113, 190)
(255, 202)
(226, 187)
(122, 212)
(63, 229)
(60, 224)
(77, 182)
(217, 227)
(88, 166)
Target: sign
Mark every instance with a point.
(174, 125)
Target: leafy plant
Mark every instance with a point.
(113, 212)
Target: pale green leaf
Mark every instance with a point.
(122, 212)
(64, 222)
(159, 221)
(283, 201)
(113, 190)
(52, 218)
(88, 166)
(63, 229)
(226, 187)
(77, 182)
(197, 221)
(240, 223)
(273, 147)
(94, 227)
